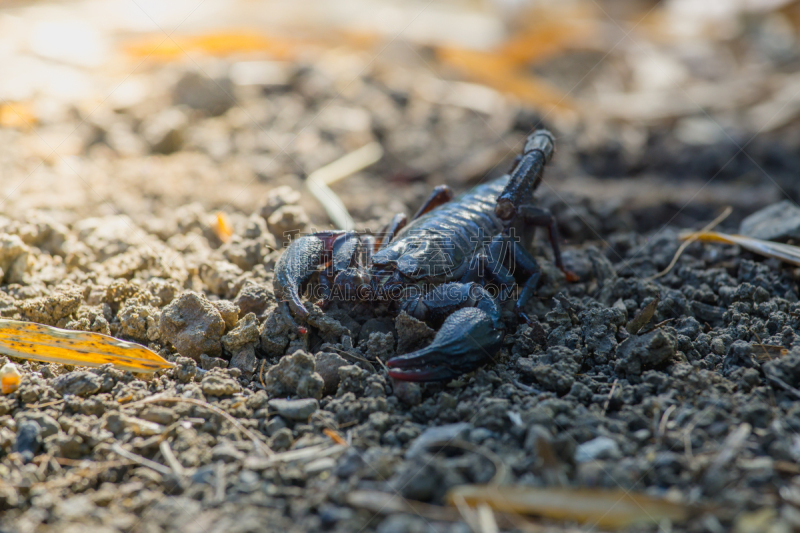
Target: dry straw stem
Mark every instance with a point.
(613, 509)
(37, 342)
(385, 503)
(258, 443)
(318, 181)
(690, 239)
(783, 252)
(144, 461)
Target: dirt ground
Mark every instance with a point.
(156, 209)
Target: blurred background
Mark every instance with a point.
(163, 111)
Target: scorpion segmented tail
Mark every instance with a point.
(538, 151)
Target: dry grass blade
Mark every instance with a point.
(783, 252)
(613, 509)
(318, 181)
(258, 443)
(385, 503)
(689, 240)
(158, 467)
(28, 340)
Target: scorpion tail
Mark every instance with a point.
(467, 339)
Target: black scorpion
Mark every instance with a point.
(437, 267)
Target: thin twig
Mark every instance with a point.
(486, 520)
(259, 444)
(782, 384)
(318, 181)
(711, 225)
(610, 394)
(219, 489)
(144, 461)
(261, 373)
(172, 461)
(662, 425)
(467, 514)
(761, 343)
(42, 405)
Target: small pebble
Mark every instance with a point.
(295, 409)
(598, 449)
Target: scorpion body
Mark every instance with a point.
(436, 268)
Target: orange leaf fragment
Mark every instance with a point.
(222, 227)
(9, 378)
(17, 115)
(334, 436)
(501, 73)
(28, 340)
(220, 44)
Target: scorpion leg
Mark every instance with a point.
(472, 333)
(389, 232)
(523, 259)
(298, 263)
(489, 266)
(537, 216)
(441, 194)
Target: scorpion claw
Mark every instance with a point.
(466, 340)
(295, 267)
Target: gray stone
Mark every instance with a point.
(294, 375)
(295, 409)
(327, 366)
(638, 353)
(253, 298)
(78, 383)
(186, 369)
(777, 222)
(352, 379)
(192, 325)
(211, 95)
(48, 424)
(281, 440)
(214, 384)
(436, 435)
(408, 392)
(245, 333)
(598, 449)
(411, 333)
(245, 360)
(164, 131)
(229, 311)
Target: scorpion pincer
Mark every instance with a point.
(438, 266)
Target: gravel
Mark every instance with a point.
(698, 405)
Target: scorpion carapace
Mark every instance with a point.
(437, 266)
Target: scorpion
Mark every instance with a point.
(439, 267)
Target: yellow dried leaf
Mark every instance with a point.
(501, 73)
(784, 252)
(10, 378)
(613, 509)
(221, 44)
(28, 340)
